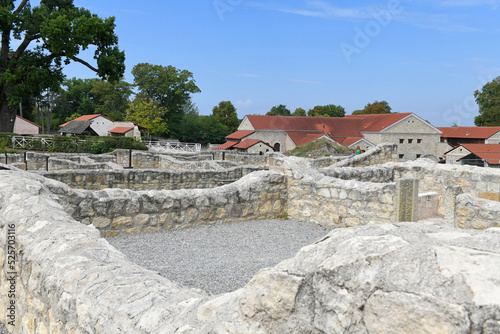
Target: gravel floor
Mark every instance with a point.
(218, 258)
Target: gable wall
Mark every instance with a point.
(25, 128)
(453, 156)
(495, 139)
(245, 125)
(102, 125)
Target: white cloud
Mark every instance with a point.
(244, 104)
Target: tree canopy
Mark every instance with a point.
(488, 100)
(299, 112)
(149, 114)
(280, 110)
(226, 114)
(329, 110)
(36, 41)
(172, 88)
(377, 107)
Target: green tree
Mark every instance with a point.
(299, 112)
(334, 111)
(202, 129)
(280, 110)
(48, 35)
(377, 107)
(488, 100)
(149, 114)
(112, 98)
(317, 111)
(172, 88)
(225, 113)
(75, 98)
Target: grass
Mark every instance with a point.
(319, 148)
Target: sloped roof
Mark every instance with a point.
(348, 141)
(227, 145)
(378, 122)
(85, 118)
(121, 129)
(76, 127)
(24, 119)
(247, 143)
(239, 134)
(488, 152)
(483, 132)
(348, 126)
(301, 137)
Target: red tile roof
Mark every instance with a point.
(301, 137)
(227, 145)
(378, 122)
(24, 119)
(348, 126)
(239, 134)
(488, 152)
(86, 118)
(247, 143)
(483, 132)
(349, 141)
(121, 129)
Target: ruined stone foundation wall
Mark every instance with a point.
(378, 155)
(147, 179)
(433, 177)
(476, 213)
(260, 195)
(341, 203)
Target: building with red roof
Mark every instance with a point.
(415, 137)
(22, 126)
(479, 155)
(474, 154)
(97, 125)
(455, 136)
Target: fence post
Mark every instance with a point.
(406, 200)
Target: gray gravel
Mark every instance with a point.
(218, 258)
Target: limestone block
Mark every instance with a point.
(399, 312)
(221, 213)
(178, 217)
(101, 222)
(122, 221)
(163, 218)
(207, 214)
(247, 210)
(132, 230)
(270, 292)
(142, 219)
(266, 208)
(192, 214)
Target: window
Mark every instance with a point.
(410, 141)
(419, 155)
(401, 141)
(277, 147)
(419, 141)
(401, 156)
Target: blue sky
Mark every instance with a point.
(422, 56)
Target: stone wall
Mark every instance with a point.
(149, 179)
(433, 177)
(364, 174)
(476, 213)
(378, 155)
(373, 279)
(260, 195)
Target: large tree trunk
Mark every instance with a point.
(7, 116)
